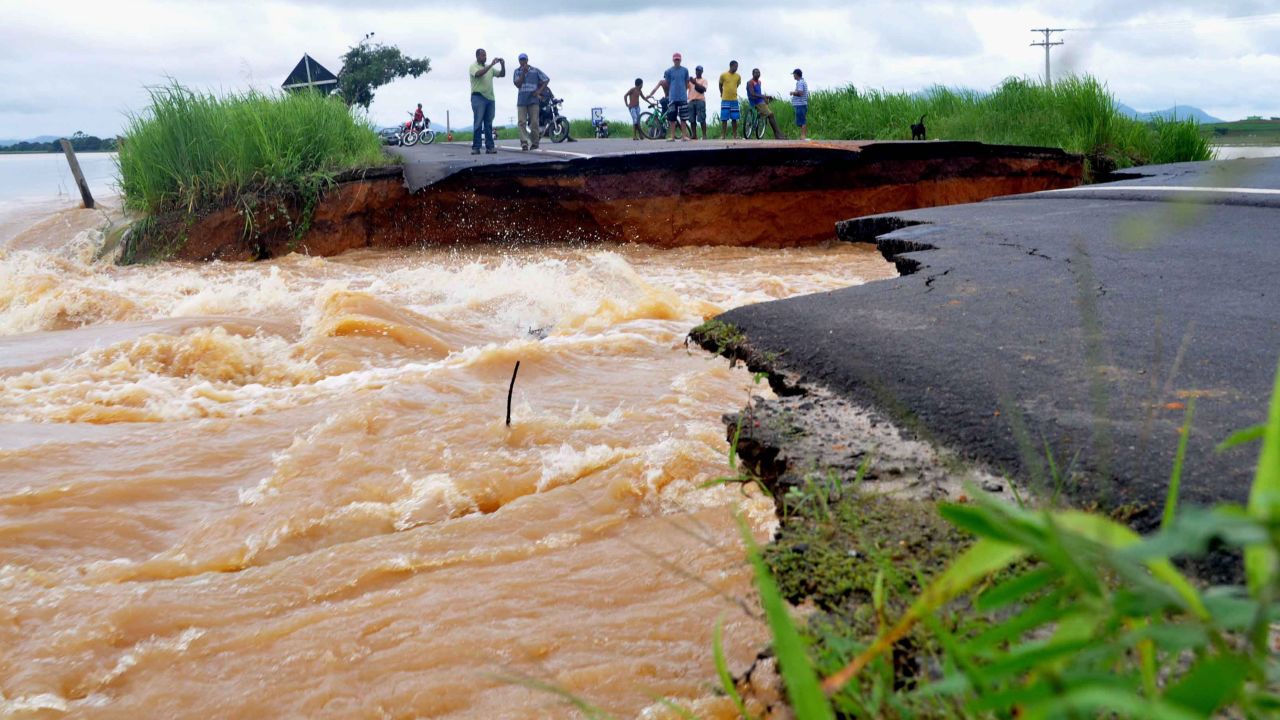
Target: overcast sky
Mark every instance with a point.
(67, 66)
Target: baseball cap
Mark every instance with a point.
(676, 56)
(522, 56)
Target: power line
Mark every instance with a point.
(1046, 45)
(1176, 24)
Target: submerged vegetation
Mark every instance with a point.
(1076, 113)
(192, 151)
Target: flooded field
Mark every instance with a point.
(287, 488)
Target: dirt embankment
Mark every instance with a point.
(774, 196)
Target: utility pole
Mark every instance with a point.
(1046, 45)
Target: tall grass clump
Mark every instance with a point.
(190, 151)
(1076, 113)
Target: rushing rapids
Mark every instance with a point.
(287, 489)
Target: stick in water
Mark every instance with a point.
(510, 390)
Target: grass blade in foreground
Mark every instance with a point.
(722, 670)
(1264, 499)
(985, 557)
(806, 696)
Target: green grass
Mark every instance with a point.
(1243, 132)
(1077, 114)
(1044, 613)
(191, 151)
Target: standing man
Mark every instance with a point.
(483, 103)
(760, 101)
(729, 82)
(677, 84)
(531, 82)
(800, 103)
(698, 103)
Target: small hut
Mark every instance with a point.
(310, 75)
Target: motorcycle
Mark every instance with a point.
(552, 123)
(411, 133)
(598, 123)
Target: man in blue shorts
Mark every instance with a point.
(729, 82)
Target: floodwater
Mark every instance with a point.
(1240, 152)
(286, 489)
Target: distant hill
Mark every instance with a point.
(6, 142)
(1178, 111)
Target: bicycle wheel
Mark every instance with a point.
(427, 137)
(559, 130)
(410, 139)
(759, 128)
(748, 124)
(649, 126)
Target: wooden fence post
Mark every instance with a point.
(75, 170)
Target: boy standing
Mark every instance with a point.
(729, 82)
(632, 99)
(800, 103)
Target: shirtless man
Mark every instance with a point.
(632, 99)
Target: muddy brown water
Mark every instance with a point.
(285, 489)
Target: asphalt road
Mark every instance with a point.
(1079, 321)
(427, 164)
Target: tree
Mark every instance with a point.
(369, 65)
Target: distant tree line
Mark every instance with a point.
(80, 142)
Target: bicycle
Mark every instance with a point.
(752, 123)
(653, 122)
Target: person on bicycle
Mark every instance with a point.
(531, 82)
(729, 82)
(758, 100)
(698, 103)
(419, 119)
(676, 83)
(632, 99)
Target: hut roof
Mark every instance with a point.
(310, 74)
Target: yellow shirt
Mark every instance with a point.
(729, 82)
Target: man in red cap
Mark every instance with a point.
(676, 80)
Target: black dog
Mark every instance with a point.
(918, 130)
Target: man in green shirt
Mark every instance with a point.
(482, 100)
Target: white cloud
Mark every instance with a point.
(83, 65)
